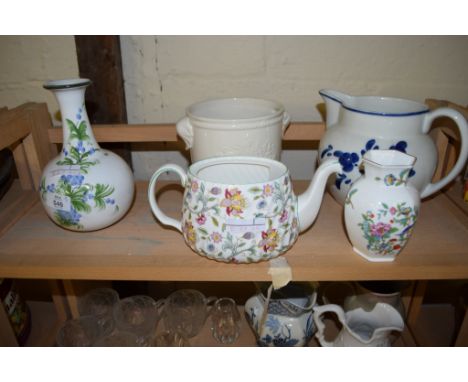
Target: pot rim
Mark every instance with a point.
(196, 167)
(360, 104)
(69, 83)
(276, 111)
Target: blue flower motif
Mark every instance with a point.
(92, 151)
(210, 247)
(327, 151)
(51, 188)
(261, 204)
(65, 151)
(347, 160)
(400, 146)
(73, 180)
(273, 323)
(370, 145)
(78, 116)
(89, 195)
(110, 201)
(70, 216)
(80, 148)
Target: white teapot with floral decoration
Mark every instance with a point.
(242, 209)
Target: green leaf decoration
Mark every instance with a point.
(215, 221)
(78, 132)
(80, 206)
(203, 231)
(101, 192)
(255, 189)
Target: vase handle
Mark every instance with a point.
(462, 125)
(185, 130)
(318, 311)
(161, 216)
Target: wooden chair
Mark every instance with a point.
(22, 130)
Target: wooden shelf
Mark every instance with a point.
(139, 248)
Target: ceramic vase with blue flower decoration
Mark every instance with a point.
(356, 125)
(85, 188)
(382, 207)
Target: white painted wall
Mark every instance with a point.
(26, 62)
(165, 74)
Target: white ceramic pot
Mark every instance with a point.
(359, 327)
(288, 319)
(381, 207)
(242, 209)
(85, 188)
(234, 126)
(356, 125)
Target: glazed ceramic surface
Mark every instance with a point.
(356, 125)
(234, 126)
(381, 207)
(288, 321)
(242, 209)
(84, 188)
(360, 327)
(364, 294)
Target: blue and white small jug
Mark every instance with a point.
(283, 317)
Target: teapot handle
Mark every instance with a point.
(462, 125)
(318, 311)
(185, 130)
(161, 216)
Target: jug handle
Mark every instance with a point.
(318, 311)
(161, 216)
(286, 121)
(185, 130)
(462, 125)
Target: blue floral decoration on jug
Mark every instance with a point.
(350, 160)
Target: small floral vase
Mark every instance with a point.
(381, 207)
(85, 188)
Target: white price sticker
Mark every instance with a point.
(59, 202)
(241, 226)
(65, 170)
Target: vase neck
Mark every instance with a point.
(388, 167)
(395, 176)
(77, 132)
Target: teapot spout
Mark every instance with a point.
(333, 100)
(309, 202)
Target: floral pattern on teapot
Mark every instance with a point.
(259, 223)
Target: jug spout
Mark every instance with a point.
(333, 100)
(309, 202)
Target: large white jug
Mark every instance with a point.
(356, 125)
